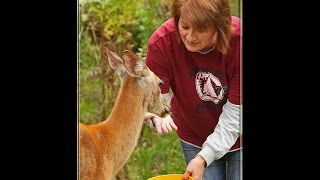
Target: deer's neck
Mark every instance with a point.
(126, 120)
(130, 107)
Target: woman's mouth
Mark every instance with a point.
(192, 44)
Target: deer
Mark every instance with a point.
(105, 147)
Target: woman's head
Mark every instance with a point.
(202, 24)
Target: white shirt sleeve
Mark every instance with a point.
(224, 135)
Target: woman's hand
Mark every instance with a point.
(163, 125)
(195, 169)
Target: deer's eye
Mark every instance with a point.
(160, 84)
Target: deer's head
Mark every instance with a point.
(132, 65)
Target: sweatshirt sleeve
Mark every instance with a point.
(156, 62)
(224, 135)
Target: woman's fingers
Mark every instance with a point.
(164, 125)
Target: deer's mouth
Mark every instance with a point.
(165, 112)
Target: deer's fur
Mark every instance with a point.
(106, 147)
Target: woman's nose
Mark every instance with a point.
(191, 36)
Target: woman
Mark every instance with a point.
(197, 55)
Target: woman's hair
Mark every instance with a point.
(205, 14)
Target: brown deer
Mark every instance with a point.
(106, 147)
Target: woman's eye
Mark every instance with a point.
(201, 30)
(184, 27)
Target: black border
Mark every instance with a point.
(252, 42)
(40, 83)
(54, 66)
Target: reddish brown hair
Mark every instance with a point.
(205, 14)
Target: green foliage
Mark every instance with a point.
(150, 15)
(90, 85)
(156, 154)
(235, 7)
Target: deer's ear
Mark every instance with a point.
(134, 65)
(115, 61)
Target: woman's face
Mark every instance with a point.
(195, 39)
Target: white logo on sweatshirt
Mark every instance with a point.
(209, 87)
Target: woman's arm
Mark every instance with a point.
(225, 134)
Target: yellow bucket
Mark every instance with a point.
(169, 177)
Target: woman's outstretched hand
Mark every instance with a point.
(163, 125)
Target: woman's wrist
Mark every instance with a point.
(202, 160)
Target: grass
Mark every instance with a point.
(156, 154)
